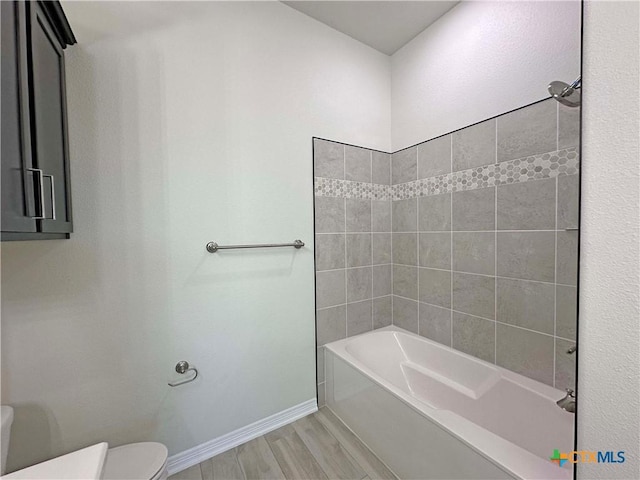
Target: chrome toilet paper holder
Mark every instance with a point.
(182, 367)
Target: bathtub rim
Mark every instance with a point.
(507, 456)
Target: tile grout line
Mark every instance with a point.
(391, 236)
(447, 231)
(484, 275)
(557, 125)
(555, 288)
(450, 248)
(235, 453)
(346, 279)
(354, 268)
(371, 236)
(418, 242)
(487, 319)
(495, 264)
(273, 454)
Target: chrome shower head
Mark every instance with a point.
(566, 94)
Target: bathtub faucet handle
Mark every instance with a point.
(568, 402)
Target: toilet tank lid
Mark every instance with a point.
(135, 460)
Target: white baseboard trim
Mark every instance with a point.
(199, 453)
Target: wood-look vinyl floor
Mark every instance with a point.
(318, 447)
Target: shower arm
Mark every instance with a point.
(570, 88)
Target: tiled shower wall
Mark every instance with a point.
(485, 240)
(483, 245)
(353, 243)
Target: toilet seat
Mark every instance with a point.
(136, 461)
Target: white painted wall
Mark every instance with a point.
(191, 130)
(479, 60)
(609, 332)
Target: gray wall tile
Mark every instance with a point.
(434, 157)
(331, 324)
(358, 249)
(330, 288)
(526, 255)
(526, 304)
(435, 287)
(474, 252)
(381, 244)
(528, 131)
(435, 323)
(405, 248)
(359, 318)
(382, 312)
(566, 311)
(475, 336)
(357, 164)
(568, 126)
(567, 258)
(405, 281)
(417, 268)
(381, 215)
(328, 159)
(320, 364)
(404, 166)
(382, 280)
(565, 376)
(329, 251)
(474, 294)
(525, 352)
(405, 314)
(568, 198)
(474, 146)
(405, 215)
(329, 213)
(434, 212)
(359, 284)
(435, 250)
(381, 168)
(474, 209)
(358, 215)
(527, 206)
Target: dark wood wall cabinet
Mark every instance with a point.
(36, 184)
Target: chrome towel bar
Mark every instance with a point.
(213, 247)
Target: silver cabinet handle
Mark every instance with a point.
(41, 182)
(43, 215)
(53, 198)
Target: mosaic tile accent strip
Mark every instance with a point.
(331, 187)
(547, 165)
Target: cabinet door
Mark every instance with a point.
(18, 201)
(49, 121)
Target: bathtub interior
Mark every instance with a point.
(516, 409)
(406, 357)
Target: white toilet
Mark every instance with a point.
(136, 461)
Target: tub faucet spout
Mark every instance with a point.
(568, 402)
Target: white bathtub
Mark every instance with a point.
(431, 412)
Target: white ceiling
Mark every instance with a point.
(383, 25)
